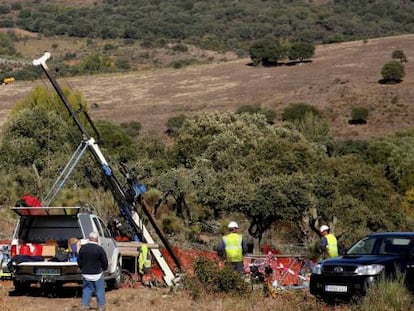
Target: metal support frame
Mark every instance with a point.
(64, 175)
(127, 210)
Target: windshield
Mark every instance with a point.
(381, 245)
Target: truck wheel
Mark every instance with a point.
(115, 283)
(21, 287)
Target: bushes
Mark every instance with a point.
(6, 45)
(399, 55)
(269, 113)
(266, 51)
(177, 64)
(387, 295)
(174, 124)
(171, 223)
(132, 128)
(393, 72)
(122, 63)
(209, 278)
(298, 111)
(359, 115)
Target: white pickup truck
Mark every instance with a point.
(40, 227)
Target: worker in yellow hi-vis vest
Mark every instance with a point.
(144, 260)
(329, 244)
(232, 247)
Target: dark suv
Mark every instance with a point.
(352, 273)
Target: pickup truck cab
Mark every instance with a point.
(40, 246)
(377, 254)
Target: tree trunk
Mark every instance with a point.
(256, 245)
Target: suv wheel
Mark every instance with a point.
(21, 287)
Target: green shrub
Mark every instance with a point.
(69, 56)
(6, 44)
(28, 73)
(193, 233)
(152, 196)
(209, 278)
(109, 47)
(297, 111)
(180, 48)
(170, 223)
(7, 23)
(132, 128)
(399, 55)
(248, 109)
(268, 113)
(393, 72)
(16, 6)
(177, 64)
(4, 9)
(94, 63)
(387, 295)
(229, 280)
(174, 124)
(350, 146)
(359, 115)
(122, 63)
(268, 50)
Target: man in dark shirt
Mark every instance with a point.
(92, 261)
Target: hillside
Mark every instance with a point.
(340, 76)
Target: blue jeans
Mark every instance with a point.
(89, 287)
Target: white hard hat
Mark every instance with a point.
(233, 224)
(324, 228)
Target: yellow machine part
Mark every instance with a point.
(8, 80)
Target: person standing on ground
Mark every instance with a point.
(232, 247)
(329, 244)
(92, 262)
(144, 260)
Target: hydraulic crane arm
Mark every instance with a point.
(126, 205)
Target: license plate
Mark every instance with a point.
(336, 288)
(47, 271)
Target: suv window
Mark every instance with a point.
(105, 229)
(41, 229)
(363, 247)
(394, 246)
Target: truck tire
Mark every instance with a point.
(21, 288)
(115, 283)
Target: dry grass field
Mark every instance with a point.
(340, 77)
(162, 299)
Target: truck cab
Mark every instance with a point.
(41, 247)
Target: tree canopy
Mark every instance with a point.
(223, 163)
(212, 24)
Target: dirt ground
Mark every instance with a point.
(340, 77)
(161, 299)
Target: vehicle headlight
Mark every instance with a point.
(317, 269)
(369, 269)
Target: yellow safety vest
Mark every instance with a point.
(332, 246)
(144, 259)
(233, 247)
